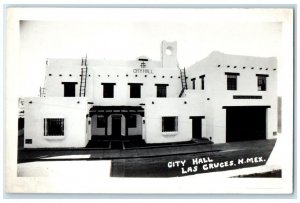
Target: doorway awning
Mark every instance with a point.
(117, 109)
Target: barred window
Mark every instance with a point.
(53, 127)
(231, 82)
(169, 124)
(262, 83)
(101, 121)
(161, 90)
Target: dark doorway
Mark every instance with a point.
(245, 123)
(197, 127)
(116, 126)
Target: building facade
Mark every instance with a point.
(222, 98)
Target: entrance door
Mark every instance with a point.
(116, 126)
(245, 123)
(197, 127)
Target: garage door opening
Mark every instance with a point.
(245, 123)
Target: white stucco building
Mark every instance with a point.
(223, 98)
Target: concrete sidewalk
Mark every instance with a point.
(28, 155)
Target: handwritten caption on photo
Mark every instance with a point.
(207, 164)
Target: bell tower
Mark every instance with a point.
(169, 54)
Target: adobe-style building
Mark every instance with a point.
(223, 98)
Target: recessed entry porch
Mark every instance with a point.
(136, 142)
(112, 126)
(121, 127)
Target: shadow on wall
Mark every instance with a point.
(279, 100)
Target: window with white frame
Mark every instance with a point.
(170, 124)
(54, 127)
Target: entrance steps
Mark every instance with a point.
(135, 142)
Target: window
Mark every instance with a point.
(135, 90)
(161, 90)
(69, 89)
(101, 121)
(193, 83)
(202, 81)
(28, 141)
(169, 124)
(232, 81)
(262, 82)
(108, 90)
(53, 127)
(132, 121)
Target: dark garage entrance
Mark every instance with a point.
(245, 123)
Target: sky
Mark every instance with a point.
(129, 35)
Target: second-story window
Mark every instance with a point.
(108, 90)
(202, 81)
(161, 90)
(135, 90)
(69, 89)
(262, 82)
(193, 83)
(232, 80)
